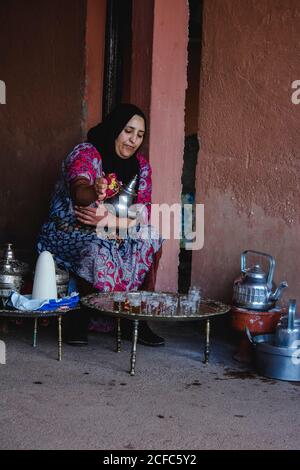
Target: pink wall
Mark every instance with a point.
(167, 118)
(248, 171)
(141, 60)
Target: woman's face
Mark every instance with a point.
(131, 137)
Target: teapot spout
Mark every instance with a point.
(278, 292)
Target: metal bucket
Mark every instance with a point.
(276, 362)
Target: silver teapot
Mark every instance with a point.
(254, 289)
(122, 201)
(288, 329)
(12, 272)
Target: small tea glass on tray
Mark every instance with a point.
(145, 296)
(119, 301)
(153, 304)
(187, 305)
(135, 302)
(195, 295)
(169, 305)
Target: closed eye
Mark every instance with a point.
(129, 130)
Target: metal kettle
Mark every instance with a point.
(288, 329)
(254, 289)
(122, 201)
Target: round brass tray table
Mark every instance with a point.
(104, 302)
(59, 313)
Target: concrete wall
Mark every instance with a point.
(249, 165)
(170, 34)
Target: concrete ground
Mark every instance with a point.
(89, 401)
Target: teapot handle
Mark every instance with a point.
(271, 265)
(292, 312)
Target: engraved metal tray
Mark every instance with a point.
(13, 313)
(104, 302)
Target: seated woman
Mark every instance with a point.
(92, 172)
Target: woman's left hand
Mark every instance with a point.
(87, 215)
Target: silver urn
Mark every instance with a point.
(12, 273)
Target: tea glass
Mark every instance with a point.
(169, 305)
(119, 298)
(145, 296)
(153, 304)
(135, 300)
(187, 305)
(195, 295)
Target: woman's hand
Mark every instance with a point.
(96, 216)
(88, 215)
(101, 186)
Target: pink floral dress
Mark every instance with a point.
(106, 264)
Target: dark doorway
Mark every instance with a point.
(191, 147)
(117, 62)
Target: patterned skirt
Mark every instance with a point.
(107, 264)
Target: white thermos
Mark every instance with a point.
(44, 284)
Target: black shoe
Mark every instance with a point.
(146, 336)
(77, 340)
(75, 328)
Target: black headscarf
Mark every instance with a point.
(103, 137)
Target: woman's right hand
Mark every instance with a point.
(101, 186)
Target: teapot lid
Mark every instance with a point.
(256, 272)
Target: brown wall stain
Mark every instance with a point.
(249, 164)
(42, 64)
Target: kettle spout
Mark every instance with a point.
(278, 292)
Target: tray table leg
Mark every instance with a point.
(118, 335)
(59, 338)
(35, 332)
(134, 343)
(207, 343)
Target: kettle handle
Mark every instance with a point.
(271, 263)
(249, 335)
(292, 312)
